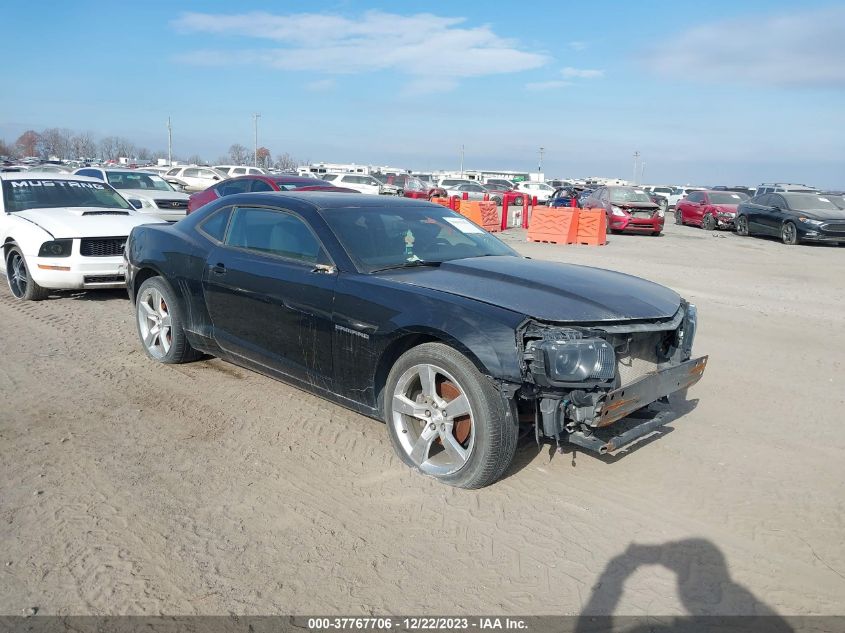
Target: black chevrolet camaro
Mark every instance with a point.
(408, 312)
(793, 217)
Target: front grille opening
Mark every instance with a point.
(104, 279)
(102, 246)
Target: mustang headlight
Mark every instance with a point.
(56, 248)
(564, 357)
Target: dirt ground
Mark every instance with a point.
(127, 487)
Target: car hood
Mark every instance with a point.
(84, 221)
(822, 214)
(153, 194)
(646, 206)
(547, 291)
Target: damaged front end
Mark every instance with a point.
(585, 378)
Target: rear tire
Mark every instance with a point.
(468, 444)
(160, 324)
(21, 284)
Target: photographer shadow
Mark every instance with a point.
(712, 599)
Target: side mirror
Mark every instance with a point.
(136, 204)
(215, 177)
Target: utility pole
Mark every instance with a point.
(642, 172)
(540, 166)
(169, 143)
(462, 160)
(636, 159)
(255, 118)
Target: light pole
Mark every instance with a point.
(462, 160)
(255, 119)
(169, 143)
(540, 166)
(636, 158)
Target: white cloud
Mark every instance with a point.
(577, 46)
(321, 85)
(554, 84)
(581, 73)
(423, 46)
(798, 49)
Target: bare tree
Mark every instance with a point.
(196, 159)
(6, 149)
(238, 154)
(286, 162)
(124, 147)
(142, 153)
(55, 143)
(83, 145)
(108, 148)
(27, 143)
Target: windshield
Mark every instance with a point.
(727, 197)
(628, 195)
(137, 180)
(44, 193)
(808, 202)
(383, 238)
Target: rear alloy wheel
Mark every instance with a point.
(20, 283)
(160, 324)
(679, 217)
(742, 226)
(708, 222)
(789, 234)
(446, 419)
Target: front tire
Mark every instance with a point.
(708, 223)
(160, 324)
(679, 217)
(21, 285)
(447, 420)
(789, 234)
(742, 226)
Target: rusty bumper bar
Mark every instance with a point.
(640, 393)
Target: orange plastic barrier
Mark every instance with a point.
(484, 214)
(558, 225)
(441, 201)
(592, 227)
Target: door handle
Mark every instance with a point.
(219, 269)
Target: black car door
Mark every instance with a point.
(269, 290)
(772, 219)
(756, 209)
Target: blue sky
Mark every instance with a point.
(708, 93)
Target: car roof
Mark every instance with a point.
(327, 201)
(34, 174)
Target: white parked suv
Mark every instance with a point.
(241, 170)
(149, 193)
(539, 189)
(63, 231)
(194, 177)
(358, 182)
(679, 193)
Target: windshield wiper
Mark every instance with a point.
(413, 264)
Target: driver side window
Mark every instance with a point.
(274, 232)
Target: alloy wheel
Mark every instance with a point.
(17, 274)
(433, 419)
(155, 322)
(789, 234)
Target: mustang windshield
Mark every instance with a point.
(137, 180)
(44, 193)
(383, 238)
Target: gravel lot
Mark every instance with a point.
(132, 488)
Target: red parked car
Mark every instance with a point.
(627, 208)
(709, 209)
(251, 184)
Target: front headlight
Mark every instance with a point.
(142, 203)
(55, 248)
(811, 221)
(563, 357)
(617, 211)
(660, 213)
(688, 331)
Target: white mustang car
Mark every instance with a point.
(61, 231)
